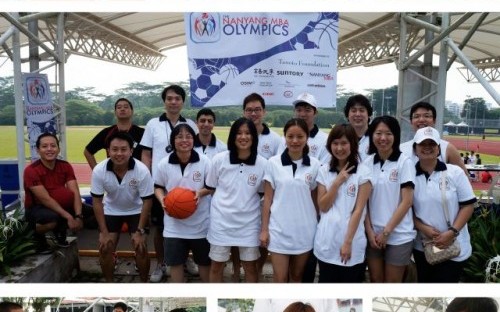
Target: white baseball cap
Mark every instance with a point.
(427, 133)
(307, 98)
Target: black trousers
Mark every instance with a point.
(444, 272)
(332, 273)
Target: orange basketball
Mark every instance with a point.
(180, 203)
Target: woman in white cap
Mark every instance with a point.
(440, 186)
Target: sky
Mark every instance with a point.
(88, 72)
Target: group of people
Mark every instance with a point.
(339, 201)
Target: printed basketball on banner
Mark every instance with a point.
(204, 27)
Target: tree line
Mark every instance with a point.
(85, 106)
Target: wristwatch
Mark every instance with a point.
(79, 216)
(454, 230)
(141, 231)
(386, 234)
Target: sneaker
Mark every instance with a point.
(42, 247)
(191, 267)
(58, 239)
(158, 273)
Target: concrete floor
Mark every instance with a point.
(90, 270)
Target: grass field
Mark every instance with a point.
(78, 138)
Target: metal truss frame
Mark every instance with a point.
(488, 67)
(409, 304)
(376, 43)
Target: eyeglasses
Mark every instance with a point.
(184, 137)
(253, 110)
(418, 116)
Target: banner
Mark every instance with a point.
(39, 108)
(278, 55)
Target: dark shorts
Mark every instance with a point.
(115, 223)
(398, 255)
(157, 214)
(178, 250)
(41, 215)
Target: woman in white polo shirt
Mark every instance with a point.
(289, 215)
(185, 168)
(343, 191)
(431, 176)
(389, 221)
(236, 176)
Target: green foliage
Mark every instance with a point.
(485, 240)
(16, 241)
(472, 108)
(196, 309)
(231, 305)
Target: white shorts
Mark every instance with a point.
(221, 253)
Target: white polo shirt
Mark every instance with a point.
(427, 202)
(214, 147)
(387, 180)
(269, 143)
(169, 176)
(363, 145)
(122, 198)
(326, 245)
(407, 149)
(156, 137)
(293, 217)
(235, 213)
(317, 145)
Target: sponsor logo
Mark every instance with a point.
(316, 85)
(133, 183)
(268, 72)
(266, 149)
(289, 73)
(325, 76)
(393, 176)
(247, 83)
(351, 190)
(204, 27)
(267, 93)
(197, 176)
(309, 178)
(266, 84)
(314, 149)
(446, 182)
(288, 94)
(252, 180)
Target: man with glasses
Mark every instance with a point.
(254, 108)
(156, 144)
(423, 114)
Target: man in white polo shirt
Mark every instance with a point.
(423, 114)
(122, 192)
(206, 142)
(305, 108)
(254, 108)
(155, 143)
(358, 112)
